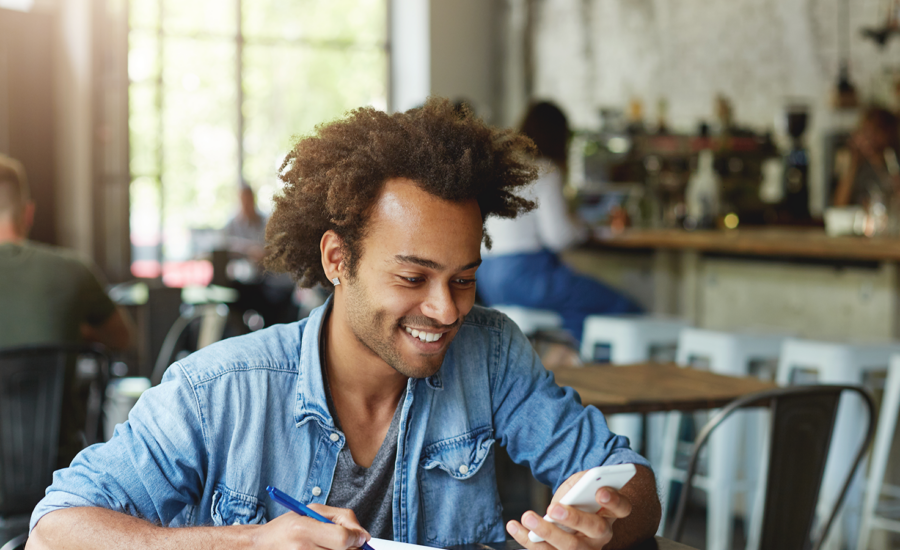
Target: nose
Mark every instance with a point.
(440, 305)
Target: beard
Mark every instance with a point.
(373, 328)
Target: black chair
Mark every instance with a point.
(801, 425)
(33, 387)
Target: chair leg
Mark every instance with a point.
(628, 425)
(667, 465)
(887, 425)
(722, 468)
(847, 428)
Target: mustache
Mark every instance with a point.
(427, 322)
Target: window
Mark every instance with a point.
(218, 88)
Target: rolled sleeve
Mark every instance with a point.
(545, 426)
(152, 467)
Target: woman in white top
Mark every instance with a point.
(522, 267)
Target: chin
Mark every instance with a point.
(424, 369)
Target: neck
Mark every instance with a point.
(9, 233)
(355, 373)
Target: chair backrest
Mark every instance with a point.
(802, 422)
(209, 320)
(32, 381)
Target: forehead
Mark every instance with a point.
(406, 216)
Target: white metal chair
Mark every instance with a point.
(625, 339)
(531, 320)
(876, 512)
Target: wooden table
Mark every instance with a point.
(650, 387)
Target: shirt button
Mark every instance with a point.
(316, 491)
(334, 437)
(464, 469)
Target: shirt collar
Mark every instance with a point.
(311, 401)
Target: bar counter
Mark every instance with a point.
(798, 243)
(780, 280)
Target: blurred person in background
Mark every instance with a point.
(523, 266)
(50, 295)
(245, 233)
(870, 173)
(244, 236)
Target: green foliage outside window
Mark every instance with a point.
(301, 63)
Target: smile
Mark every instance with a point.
(424, 336)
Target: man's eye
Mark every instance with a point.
(413, 279)
(465, 282)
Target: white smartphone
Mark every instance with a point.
(582, 495)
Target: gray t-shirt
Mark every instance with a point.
(369, 492)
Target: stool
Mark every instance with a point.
(531, 320)
(626, 339)
(837, 363)
(884, 438)
(729, 354)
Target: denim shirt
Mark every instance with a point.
(247, 412)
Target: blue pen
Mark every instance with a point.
(294, 506)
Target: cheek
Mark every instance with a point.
(465, 300)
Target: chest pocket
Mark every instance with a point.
(233, 508)
(458, 479)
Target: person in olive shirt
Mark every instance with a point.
(50, 295)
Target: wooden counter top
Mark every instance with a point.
(804, 243)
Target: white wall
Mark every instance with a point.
(759, 53)
(464, 52)
(74, 126)
(410, 75)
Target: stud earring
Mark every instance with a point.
(336, 281)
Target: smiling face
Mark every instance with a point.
(415, 279)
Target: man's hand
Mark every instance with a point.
(594, 531)
(302, 533)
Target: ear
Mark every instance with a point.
(332, 248)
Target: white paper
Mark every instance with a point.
(383, 544)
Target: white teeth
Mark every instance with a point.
(424, 336)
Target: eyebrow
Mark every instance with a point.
(430, 264)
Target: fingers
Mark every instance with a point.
(341, 516)
(588, 529)
(598, 531)
(612, 503)
(593, 526)
(345, 532)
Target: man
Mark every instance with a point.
(382, 408)
(246, 231)
(50, 296)
(268, 294)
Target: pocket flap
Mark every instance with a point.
(233, 508)
(461, 456)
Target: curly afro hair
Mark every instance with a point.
(332, 178)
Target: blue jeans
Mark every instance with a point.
(539, 280)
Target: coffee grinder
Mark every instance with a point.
(795, 204)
